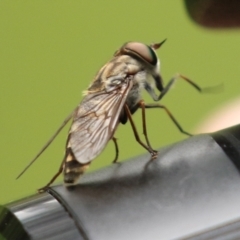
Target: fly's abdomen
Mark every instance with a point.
(72, 169)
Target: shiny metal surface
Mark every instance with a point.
(39, 217)
(191, 191)
(191, 188)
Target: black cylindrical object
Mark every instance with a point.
(214, 13)
(191, 191)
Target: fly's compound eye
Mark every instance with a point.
(141, 51)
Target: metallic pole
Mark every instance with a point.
(191, 191)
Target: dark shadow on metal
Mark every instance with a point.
(191, 191)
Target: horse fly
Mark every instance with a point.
(112, 98)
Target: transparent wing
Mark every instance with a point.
(95, 121)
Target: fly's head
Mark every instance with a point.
(147, 57)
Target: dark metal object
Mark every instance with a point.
(229, 140)
(37, 217)
(214, 13)
(191, 191)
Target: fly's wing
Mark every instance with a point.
(95, 121)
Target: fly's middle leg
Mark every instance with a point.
(141, 105)
(148, 148)
(156, 105)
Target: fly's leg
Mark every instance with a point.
(48, 143)
(174, 79)
(141, 105)
(156, 105)
(43, 189)
(165, 90)
(116, 149)
(149, 149)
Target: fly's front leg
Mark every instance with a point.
(141, 105)
(156, 105)
(173, 80)
(165, 90)
(116, 149)
(149, 149)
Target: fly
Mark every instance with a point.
(112, 98)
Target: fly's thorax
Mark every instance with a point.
(141, 71)
(134, 95)
(120, 68)
(139, 82)
(131, 59)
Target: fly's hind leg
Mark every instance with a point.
(71, 168)
(43, 189)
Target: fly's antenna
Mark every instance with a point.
(48, 143)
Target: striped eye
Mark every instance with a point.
(140, 50)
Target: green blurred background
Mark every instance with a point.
(51, 50)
